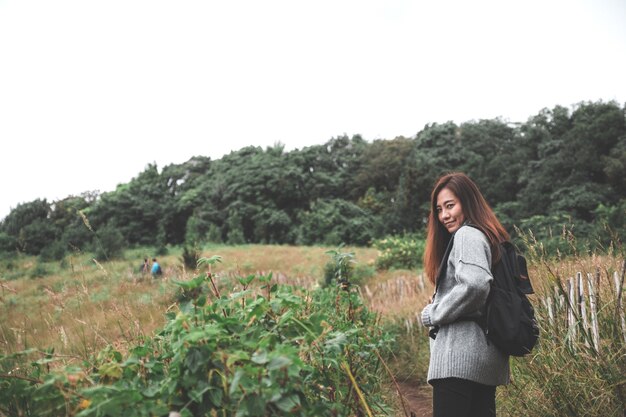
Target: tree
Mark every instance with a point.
(337, 221)
(569, 173)
(30, 227)
(135, 209)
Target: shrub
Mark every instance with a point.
(190, 257)
(339, 269)
(109, 243)
(362, 272)
(195, 229)
(162, 250)
(562, 234)
(399, 252)
(39, 271)
(53, 252)
(7, 243)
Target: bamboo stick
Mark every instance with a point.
(571, 316)
(558, 298)
(550, 312)
(594, 313)
(582, 305)
(619, 284)
(367, 291)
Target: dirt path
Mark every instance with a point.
(417, 399)
(397, 296)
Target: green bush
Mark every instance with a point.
(281, 352)
(7, 243)
(55, 251)
(162, 250)
(339, 269)
(610, 223)
(342, 269)
(362, 272)
(39, 271)
(399, 252)
(190, 257)
(109, 243)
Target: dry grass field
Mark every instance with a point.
(81, 305)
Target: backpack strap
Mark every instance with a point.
(443, 266)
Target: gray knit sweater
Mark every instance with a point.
(460, 349)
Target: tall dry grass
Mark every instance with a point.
(570, 374)
(80, 306)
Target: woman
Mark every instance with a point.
(464, 368)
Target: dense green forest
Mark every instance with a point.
(561, 168)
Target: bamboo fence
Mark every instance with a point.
(575, 304)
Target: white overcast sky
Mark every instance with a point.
(93, 91)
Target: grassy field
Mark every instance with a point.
(80, 305)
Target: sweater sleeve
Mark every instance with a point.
(471, 257)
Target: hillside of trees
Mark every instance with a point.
(561, 167)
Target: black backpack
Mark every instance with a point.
(508, 319)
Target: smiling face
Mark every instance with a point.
(449, 210)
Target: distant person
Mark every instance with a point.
(145, 268)
(156, 268)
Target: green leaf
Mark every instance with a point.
(266, 278)
(111, 370)
(131, 361)
(216, 396)
(140, 351)
(247, 280)
(260, 357)
(207, 332)
(288, 403)
(201, 301)
(151, 391)
(117, 355)
(195, 359)
(191, 284)
(234, 385)
(237, 356)
(279, 362)
(209, 261)
(285, 318)
(253, 405)
(197, 394)
(337, 341)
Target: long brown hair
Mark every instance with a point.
(476, 211)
